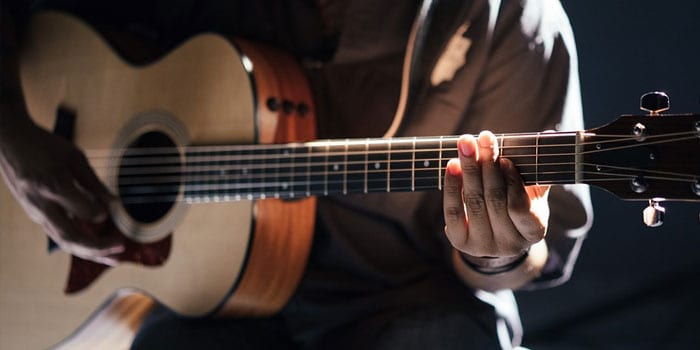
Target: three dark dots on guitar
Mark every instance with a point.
(274, 104)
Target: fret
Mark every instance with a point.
(356, 167)
(388, 167)
(274, 156)
(265, 173)
(556, 158)
(209, 172)
(257, 175)
(426, 161)
(377, 161)
(413, 167)
(300, 166)
(366, 163)
(308, 171)
(448, 151)
(213, 180)
(318, 160)
(543, 158)
(335, 168)
(243, 174)
(439, 165)
(537, 159)
(401, 164)
(284, 172)
(189, 170)
(325, 170)
(345, 167)
(196, 173)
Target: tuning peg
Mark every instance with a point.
(654, 214)
(654, 102)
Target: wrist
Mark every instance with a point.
(494, 265)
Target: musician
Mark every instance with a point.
(410, 270)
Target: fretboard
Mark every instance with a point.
(357, 166)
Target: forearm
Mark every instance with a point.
(516, 278)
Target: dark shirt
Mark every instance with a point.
(388, 251)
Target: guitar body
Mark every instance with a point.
(240, 258)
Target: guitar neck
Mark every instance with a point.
(345, 166)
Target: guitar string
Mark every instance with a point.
(261, 186)
(257, 182)
(193, 176)
(254, 166)
(191, 163)
(308, 173)
(315, 143)
(175, 152)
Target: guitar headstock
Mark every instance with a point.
(651, 157)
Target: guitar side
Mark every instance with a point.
(225, 258)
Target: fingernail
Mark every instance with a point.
(465, 144)
(453, 167)
(487, 140)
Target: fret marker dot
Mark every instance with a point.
(285, 185)
(426, 163)
(245, 171)
(377, 165)
(336, 167)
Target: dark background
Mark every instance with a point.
(633, 287)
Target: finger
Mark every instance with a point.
(89, 181)
(531, 226)
(73, 238)
(480, 235)
(456, 224)
(505, 235)
(63, 190)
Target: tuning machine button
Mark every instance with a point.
(654, 102)
(654, 214)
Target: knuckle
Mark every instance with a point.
(470, 169)
(497, 196)
(452, 187)
(453, 214)
(475, 203)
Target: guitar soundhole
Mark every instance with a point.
(149, 177)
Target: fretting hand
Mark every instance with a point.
(491, 217)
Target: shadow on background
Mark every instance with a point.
(633, 286)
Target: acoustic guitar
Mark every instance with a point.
(211, 152)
